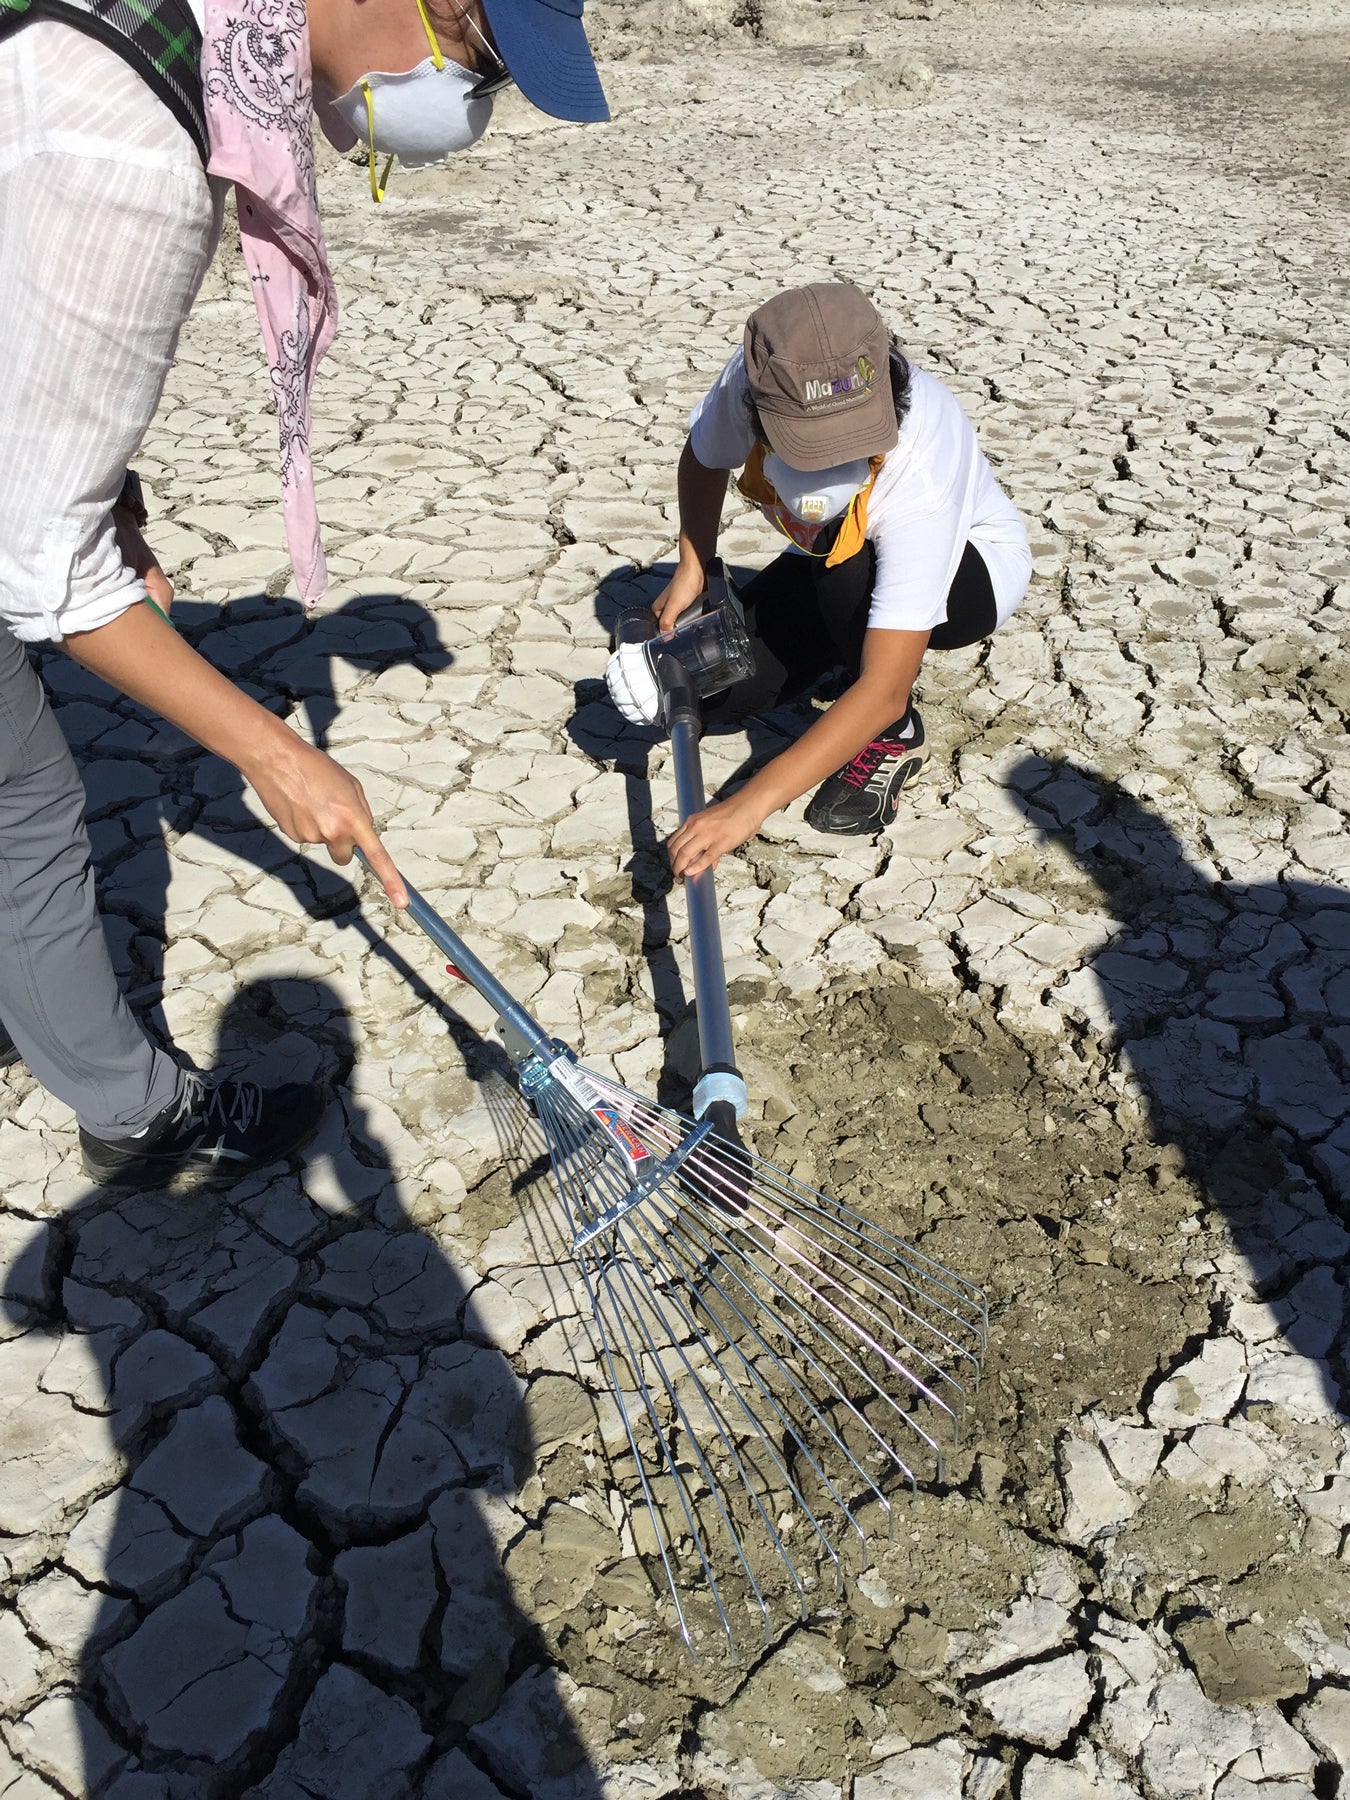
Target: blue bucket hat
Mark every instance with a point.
(543, 44)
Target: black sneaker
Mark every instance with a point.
(216, 1133)
(862, 799)
(10, 1052)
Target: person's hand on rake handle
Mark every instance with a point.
(706, 836)
(314, 800)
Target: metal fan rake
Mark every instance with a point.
(781, 1362)
(782, 1365)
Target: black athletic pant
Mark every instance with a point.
(805, 619)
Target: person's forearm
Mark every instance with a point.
(313, 799)
(876, 700)
(143, 656)
(836, 737)
(880, 695)
(701, 493)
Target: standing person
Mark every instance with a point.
(119, 125)
(900, 541)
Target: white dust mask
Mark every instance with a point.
(817, 496)
(421, 116)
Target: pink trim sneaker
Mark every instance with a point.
(863, 798)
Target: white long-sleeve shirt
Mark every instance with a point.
(107, 226)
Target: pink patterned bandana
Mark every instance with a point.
(259, 111)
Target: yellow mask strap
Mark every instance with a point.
(437, 60)
(377, 183)
(780, 526)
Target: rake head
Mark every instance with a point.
(781, 1363)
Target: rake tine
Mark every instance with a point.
(686, 1227)
(841, 1350)
(956, 1285)
(674, 1398)
(787, 1258)
(792, 1266)
(889, 1450)
(791, 1429)
(636, 1219)
(769, 1177)
(760, 1432)
(792, 1260)
(649, 1498)
(833, 1229)
(830, 1380)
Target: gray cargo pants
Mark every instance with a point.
(106, 228)
(59, 997)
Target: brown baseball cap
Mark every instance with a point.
(817, 360)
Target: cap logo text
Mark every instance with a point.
(859, 381)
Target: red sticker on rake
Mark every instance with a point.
(627, 1139)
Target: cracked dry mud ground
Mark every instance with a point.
(309, 1492)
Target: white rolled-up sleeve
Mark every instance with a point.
(107, 225)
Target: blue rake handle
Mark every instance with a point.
(476, 972)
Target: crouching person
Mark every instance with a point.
(900, 540)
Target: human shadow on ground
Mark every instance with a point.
(144, 776)
(598, 729)
(296, 1584)
(1229, 1000)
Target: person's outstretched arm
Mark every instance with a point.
(312, 798)
(701, 493)
(880, 695)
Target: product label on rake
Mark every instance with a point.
(605, 1114)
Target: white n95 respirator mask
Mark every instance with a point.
(421, 116)
(815, 497)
